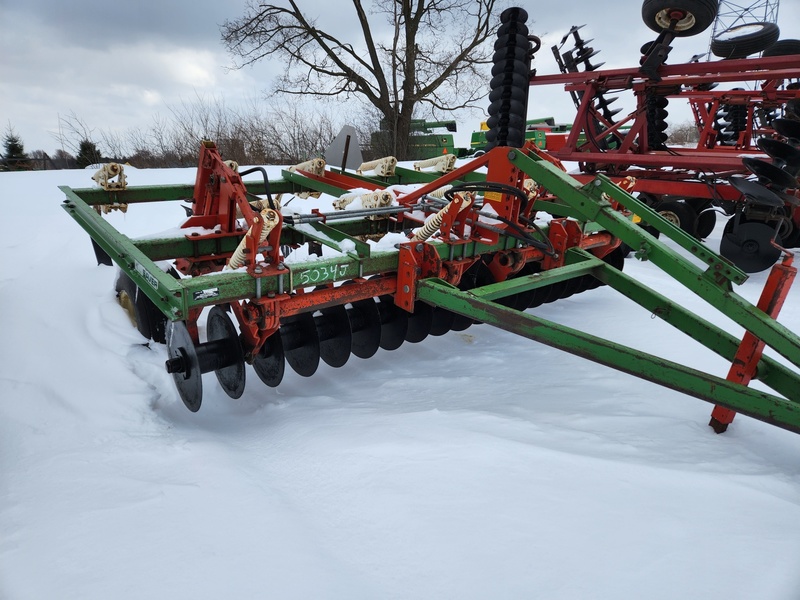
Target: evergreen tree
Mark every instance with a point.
(88, 154)
(14, 156)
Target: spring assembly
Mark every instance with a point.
(270, 219)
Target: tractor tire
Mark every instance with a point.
(679, 214)
(699, 15)
(783, 48)
(743, 40)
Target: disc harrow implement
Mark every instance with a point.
(320, 264)
(743, 108)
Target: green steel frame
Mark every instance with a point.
(595, 205)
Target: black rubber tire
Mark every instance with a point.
(783, 48)
(700, 15)
(679, 214)
(757, 37)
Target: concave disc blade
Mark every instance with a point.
(788, 128)
(269, 363)
(556, 291)
(365, 323)
(468, 281)
(513, 301)
(748, 246)
(419, 322)
(442, 321)
(524, 299)
(571, 287)
(220, 327)
(755, 192)
(301, 343)
(189, 382)
(786, 153)
(394, 323)
(476, 276)
(773, 174)
(586, 281)
(335, 337)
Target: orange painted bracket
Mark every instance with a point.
(751, 348)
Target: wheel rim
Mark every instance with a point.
(671, 217)
(686, 19)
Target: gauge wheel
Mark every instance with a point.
(694, 16)
(743, 40)
(679, 214)
(783, 48)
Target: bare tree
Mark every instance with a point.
(72, 130)
(430, 57)
(684, 134)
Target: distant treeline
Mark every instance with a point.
(253, 135)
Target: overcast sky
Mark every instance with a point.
(118, 65)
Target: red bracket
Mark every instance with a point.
(743, 368)
(417, 260)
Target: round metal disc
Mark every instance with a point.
(335, 337)
(460, 322)
(749, 247)
(556, 291)
(365, 323)
(468, 281)
(706, 222)
(442, 321)
(755, 192)
(773, 174)
(189, 381)
(269, 363)
(540, 296)
(585, 283)
(571, 287)
(788, 128)
(301, 343)
(394, 323)
(419, 322)
(476, 276)
(513, 301)
(786, 153)
(524, 299)
(220, 327)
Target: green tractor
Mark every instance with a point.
(423, 142)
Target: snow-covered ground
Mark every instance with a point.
(473, 465)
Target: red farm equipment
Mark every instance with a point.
(412, 254)
(746, 160)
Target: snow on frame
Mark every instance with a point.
(472, 465)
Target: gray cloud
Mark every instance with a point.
(118, 65)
